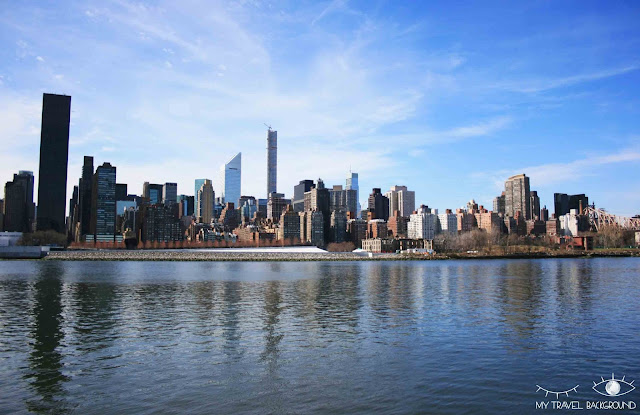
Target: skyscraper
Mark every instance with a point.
(298, 194)
(206, 197)
(517, 196)
(170, 193)
(152, 192)
(18, 203)
(272, 161)
(103, 206)
(54, 155)
(379, 204)
(231, 179)
(84, 196)
(352, 184)
(198, 185)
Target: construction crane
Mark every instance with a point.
(268, 126)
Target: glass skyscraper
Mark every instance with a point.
(231, 179)
(352, 184)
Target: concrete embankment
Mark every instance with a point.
(209, 255)
(244, 255)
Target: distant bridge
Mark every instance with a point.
(600, 218)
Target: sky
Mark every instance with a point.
(447, 98)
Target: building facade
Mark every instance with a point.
(231, 180)
(206, 197)
(517, 196)
(54, 156)
(103, 206)
(272, 161)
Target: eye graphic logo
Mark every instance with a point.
(547, 392)
(613, 386)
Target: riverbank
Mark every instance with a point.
(245, 255)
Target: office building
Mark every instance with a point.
(378, 205)
(272, 161)
(248, 209)
(402, 200)
(205, 206)
(563, 203)
(198, 185)
(54, 155)
(186, 205)
(298, 194)
(121, 191)
(231, 179)
(534, 205)
(170, 193)
(352, 184)
(276, 204)
(103, 206)
(85, 188)
(343, 199)
(152, 193)
(517, 196)
(19, 209)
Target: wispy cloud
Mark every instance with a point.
(541, 85)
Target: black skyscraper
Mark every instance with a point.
(85, 196)
(54, 154)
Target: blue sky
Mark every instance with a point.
(448, 98)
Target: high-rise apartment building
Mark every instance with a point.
(448, 222)
(272, 161)
(517, 196)
(231, 179)
(206, 197)
(422, 224)
(401, 199)
(103, 206)
(54, 155)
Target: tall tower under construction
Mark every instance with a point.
(272, 161)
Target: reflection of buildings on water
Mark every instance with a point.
(45, 361)
(520, 295)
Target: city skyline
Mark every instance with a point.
(384, 98)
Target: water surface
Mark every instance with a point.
(446, 337)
